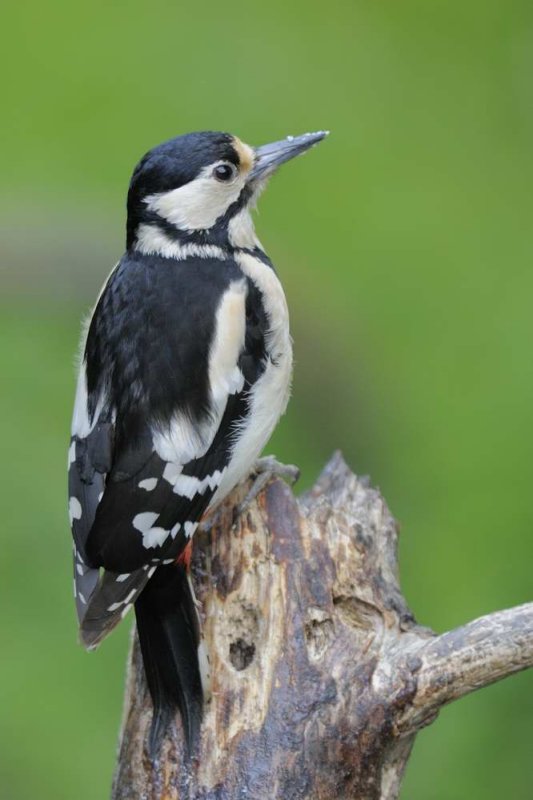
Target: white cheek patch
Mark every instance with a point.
(198, 204)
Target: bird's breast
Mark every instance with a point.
(269, 395)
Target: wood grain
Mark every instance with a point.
(320, 674)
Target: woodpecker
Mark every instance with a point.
(185, 370)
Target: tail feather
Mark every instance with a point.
(167, 622)
(108, 603)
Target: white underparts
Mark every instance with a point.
(270, 394)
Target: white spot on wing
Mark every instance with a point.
(142, 522)
(123, 577)
(189, 528)
(171, 471)
(155, 537)
(148, 484)
(174, 531)
(130, 596)
(72, 453)
(74, 509)
(188, 485)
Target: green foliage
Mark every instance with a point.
(404, 242)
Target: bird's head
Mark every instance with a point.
(200, 189)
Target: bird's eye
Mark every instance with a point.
(224, 172)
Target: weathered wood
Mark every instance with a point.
(320, 674)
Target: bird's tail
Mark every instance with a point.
(167, 622)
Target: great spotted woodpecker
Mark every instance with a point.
(185, 370)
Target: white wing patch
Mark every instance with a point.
(182, 441)
(225, 377)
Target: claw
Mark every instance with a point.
(266, 468)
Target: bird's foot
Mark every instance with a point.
(264, 469)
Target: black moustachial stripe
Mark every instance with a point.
(217, 233)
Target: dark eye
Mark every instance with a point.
(224, 172)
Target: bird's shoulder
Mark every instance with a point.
(154, 324)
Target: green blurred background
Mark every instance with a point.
(405, 245)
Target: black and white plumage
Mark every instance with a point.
(185, 371)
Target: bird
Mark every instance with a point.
(185, 369)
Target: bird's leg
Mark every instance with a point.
(264, 469)
(184, 560)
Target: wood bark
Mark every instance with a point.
(321, 676)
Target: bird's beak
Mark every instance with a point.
(270, 156)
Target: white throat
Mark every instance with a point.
(241, 232)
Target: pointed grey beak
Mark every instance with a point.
(270, 156)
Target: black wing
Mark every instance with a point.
(155, 420)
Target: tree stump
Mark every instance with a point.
(320, 674)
